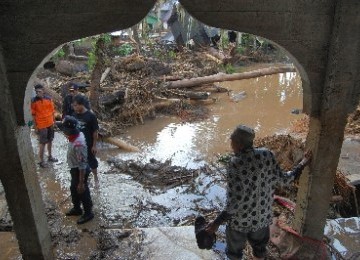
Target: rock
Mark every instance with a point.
(70, 68)
(236, 97)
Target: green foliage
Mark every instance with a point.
(107, 38)
(123, 50)
(59, 54)
(164, 55)
(224, 41)
(229, 69)
(224, 158)
(92, 54)
(172, 54)
(241, 49)
(91, 59)
(247, 39)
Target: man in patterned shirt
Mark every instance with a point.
(252, 175)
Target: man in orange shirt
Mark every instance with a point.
(42, 110)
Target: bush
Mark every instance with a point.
(123, 50)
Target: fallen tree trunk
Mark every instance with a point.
(112, 99)
(212, 88)
(121, 144)
(166, 102)
(188, 83)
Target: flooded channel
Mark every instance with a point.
(265, 103)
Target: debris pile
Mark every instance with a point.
(287, 150)
(301, 126)
(155, 174)
(353, 124)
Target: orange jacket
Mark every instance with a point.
(42, 110)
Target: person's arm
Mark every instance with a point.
(95, 138)
(213, 226)
(287, 177)
(33, 114)
(95, 127)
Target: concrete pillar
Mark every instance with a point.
(327, 130)
(18, 176)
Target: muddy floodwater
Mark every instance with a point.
(264, 103)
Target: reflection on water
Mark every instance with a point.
(266, 106)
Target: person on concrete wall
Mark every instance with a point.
(67, 108)
(79, 170)
(89, 126)
(252, 175)
(43, 113)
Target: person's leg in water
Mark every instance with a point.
(235, 244)
(86, 201)
(93, 163)
(75, 198)
(258, 241)
(43, 140)
(50, 135)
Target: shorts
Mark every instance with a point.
(46, 135)
(236, 242)
(92, 161)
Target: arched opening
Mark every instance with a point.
(119, 186)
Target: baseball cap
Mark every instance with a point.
(69, 125)
(73, 86)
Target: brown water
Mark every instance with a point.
(266, 106)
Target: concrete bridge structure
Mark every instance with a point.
(321, 36)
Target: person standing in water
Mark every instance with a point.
(88, 124)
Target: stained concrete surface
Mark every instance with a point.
(349, 162)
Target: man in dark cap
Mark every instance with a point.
(67, 108)
(252, 175)
(79, 170)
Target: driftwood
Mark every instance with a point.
(197, 95)
(166, 102)
(115, 98)
(121, 144)
(105, 74)
(170, 78)
(212, 88)
(216, 59)
(188, 83)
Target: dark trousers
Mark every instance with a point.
(236, 242)
(83, 198)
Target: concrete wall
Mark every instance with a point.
(317, 34)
